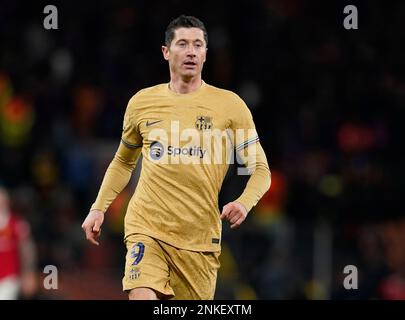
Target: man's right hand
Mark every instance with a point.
(92, 225)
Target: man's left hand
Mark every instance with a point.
(235, 213)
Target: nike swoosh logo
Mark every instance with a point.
(152, 122)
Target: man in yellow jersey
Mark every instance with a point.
(184, 130)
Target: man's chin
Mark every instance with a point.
(189, 74)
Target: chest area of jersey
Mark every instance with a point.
(181, 119)
(184, 134)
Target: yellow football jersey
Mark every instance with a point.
(187, 142)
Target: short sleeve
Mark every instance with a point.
(130, 133)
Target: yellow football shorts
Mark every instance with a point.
(171, 272)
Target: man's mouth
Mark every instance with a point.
(190, 64)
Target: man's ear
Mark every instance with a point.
(165, 51)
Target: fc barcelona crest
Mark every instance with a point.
(203, 123)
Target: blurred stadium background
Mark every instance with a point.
(329, 106)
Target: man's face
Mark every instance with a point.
(186, 53)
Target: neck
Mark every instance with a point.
(181, 85)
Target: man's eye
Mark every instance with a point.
(182, 45)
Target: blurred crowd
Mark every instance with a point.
(328, 105)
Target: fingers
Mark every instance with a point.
(92, 225)
(90, 234)
(97, 225)
(226, 210)
(234, 216)
(235, 213)
(92, 231)
(93, 241)
(237, 223)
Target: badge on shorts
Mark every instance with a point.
(134, 273)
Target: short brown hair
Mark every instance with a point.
(184, 21)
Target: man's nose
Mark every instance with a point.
(191, 51)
